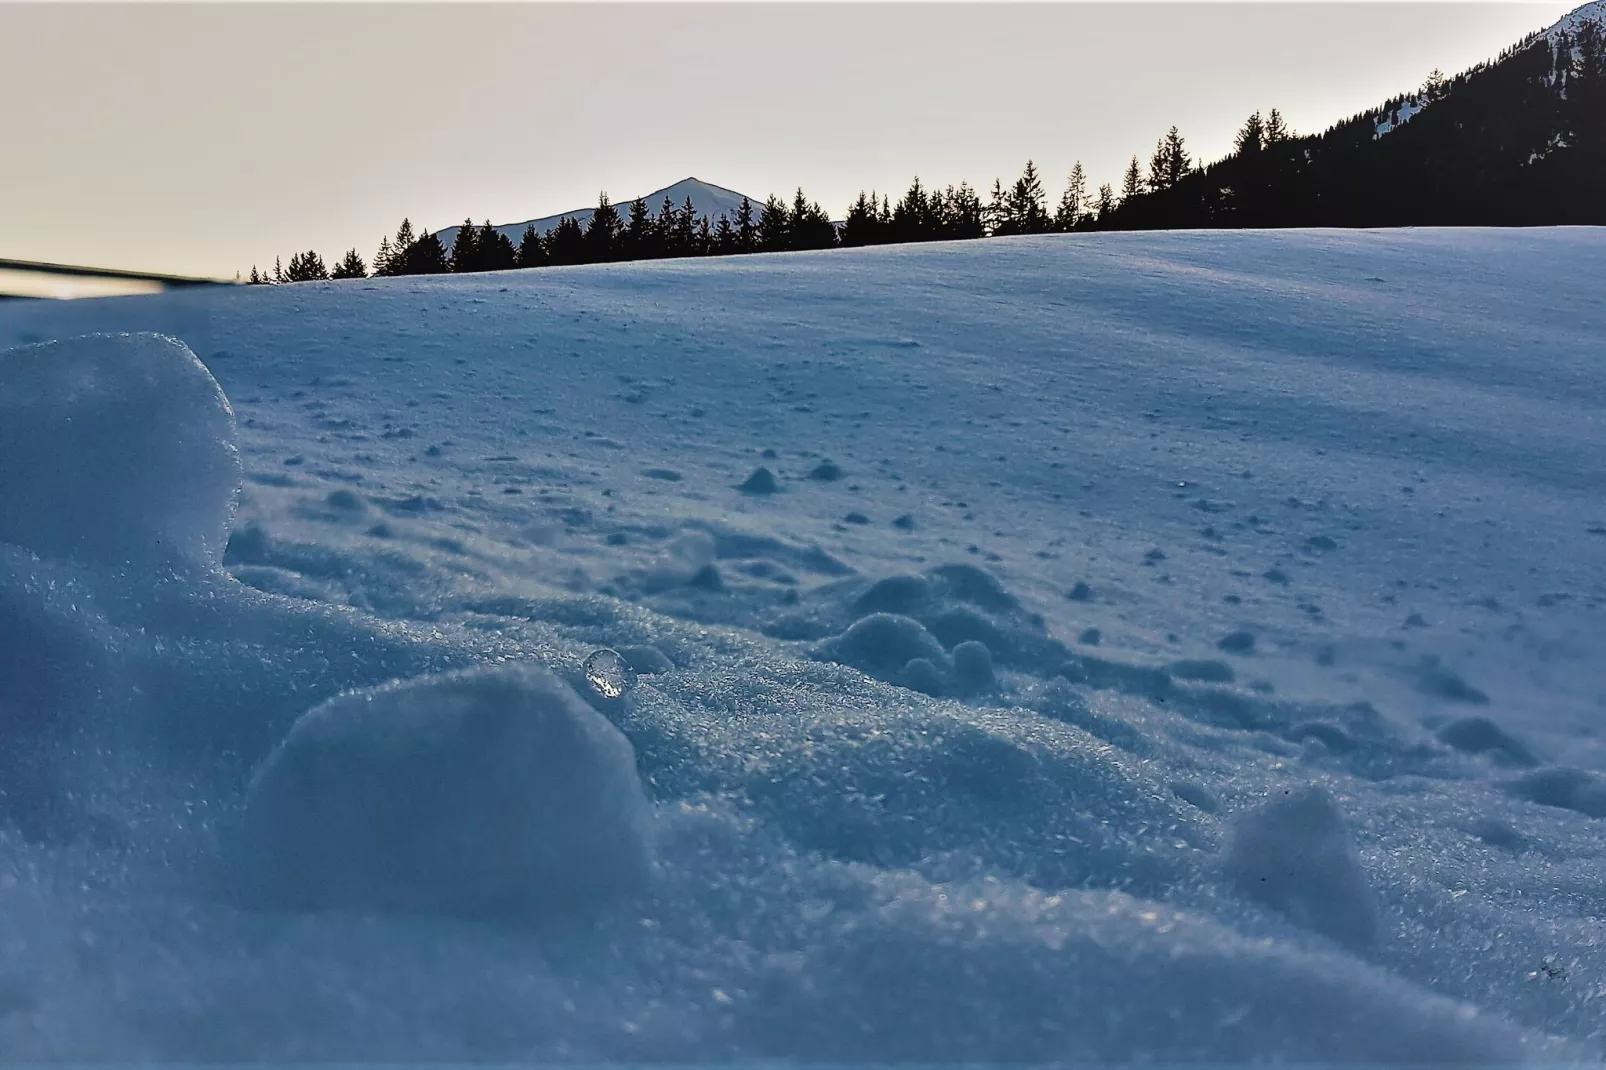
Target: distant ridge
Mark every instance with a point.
(707, 198)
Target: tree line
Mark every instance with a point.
(1518, 140)
(955, 213)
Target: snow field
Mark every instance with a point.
(894, 812)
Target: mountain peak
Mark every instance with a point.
(1594, 11)
(706, 198)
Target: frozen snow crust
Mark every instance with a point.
(947, 748)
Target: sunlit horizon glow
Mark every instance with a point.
(203, 139)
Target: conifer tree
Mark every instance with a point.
(256, 279)
(911, 215)
(1131, 182)
(382, 258)
(1028, 211)
(306, 267)
(810, 226)
(1276, 130)
(1073, 202)
(495, 249)
(532, 252)
(997, 213)
(705, 237)
(774, 225)
(962, 213)
(426, 256)
(1169, 162)
(723, 242)
(1106, 203)
(566, 243)
(664, 228)
(1252, 138)
(859, 226)
(638, 238)
(746, 229)
(349, 267)
(465, 255)
(397, 259)
(602, 231)
(278, 270)
(685, 240)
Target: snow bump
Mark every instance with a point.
(116, 449)
(489, 792)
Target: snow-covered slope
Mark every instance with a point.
(708, 199)
(1180, 646)
(1568, 24)
(1398, 113)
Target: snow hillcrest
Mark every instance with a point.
(708, 200)
(1595, 11)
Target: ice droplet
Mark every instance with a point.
(609, 674)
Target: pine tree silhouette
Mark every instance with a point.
(685, 239)
(746, 229)
(723, 242)
(382, 258)
(1073, 203)
(532, 251)
(638, 240)
(810, 227)
(426, 256)
(1026, 212)
(1131, 182)
(860, 225)
(306, 267)
(566, 244)
(1105, 206)
(997, 214)
(774, 226)
(349, 267)
(1251, 138)
(664, 228)
(465, 255)
(962, 214)
(602, 231)
(912, 216)
(1276, 130)
(496, 249)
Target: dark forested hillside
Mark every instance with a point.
(1513, 142)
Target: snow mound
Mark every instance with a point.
(953, 603)
(488, 792)
(1294, 855)
(882, 644)
(116, 449)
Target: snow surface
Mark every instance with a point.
(706, 198)
(1248, 586)
(1397, 117)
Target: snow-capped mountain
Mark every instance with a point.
(707, 198)
(1515, 141)
(1397, 113)
(1569, 23)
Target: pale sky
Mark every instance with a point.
(201, 139)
